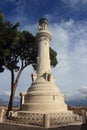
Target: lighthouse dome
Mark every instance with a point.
(43, 20)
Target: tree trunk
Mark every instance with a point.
(14, 84)
(12, 92)
(11, 100)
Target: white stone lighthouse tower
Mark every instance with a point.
(43, 95)
(43, 104)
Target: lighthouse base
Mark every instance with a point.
(44, 96)
(44, 106)
(45, 119)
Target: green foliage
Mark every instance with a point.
(8, 39)
(53, 55)
(24, 52)
(27, 48)
(18, 46)
(1, 17)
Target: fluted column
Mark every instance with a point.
(43, 38)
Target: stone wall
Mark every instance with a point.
(59, 119)
(28, 119)
(37, 121)
(43, 119)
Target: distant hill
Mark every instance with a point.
(5, 103)
(0, 104)
(81, 102)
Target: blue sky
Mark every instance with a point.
(68, 25)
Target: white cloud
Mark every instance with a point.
(31, 28)
(73, 3)
(83, 90)
(74, 96)
(70, 41)
(4, 92)
(70, 23)
(20, 11)
(77, 95)
(84, 1)
(21, 4)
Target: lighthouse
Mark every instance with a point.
(43, 103)
(43, 96)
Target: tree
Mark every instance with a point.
(8, 39)
(2, 29)
(9, 35)
(1, 17)
(53, 55)
(25, 54)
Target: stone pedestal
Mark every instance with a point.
(44, 96)
(1, 114)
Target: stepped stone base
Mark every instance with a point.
(43, 96)
(45, 120)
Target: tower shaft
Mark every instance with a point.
(43, 61)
